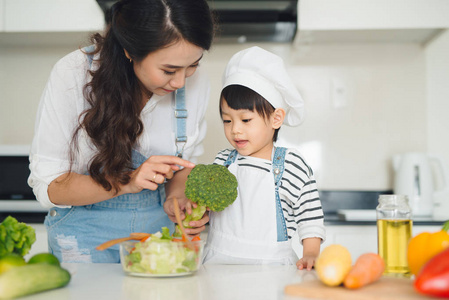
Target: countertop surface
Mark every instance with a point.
(211, 282)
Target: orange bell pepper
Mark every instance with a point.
(426, 245)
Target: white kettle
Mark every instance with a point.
(417, 175)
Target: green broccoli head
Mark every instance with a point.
(212, 186)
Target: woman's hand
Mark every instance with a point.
(153, 172)
(186, 206)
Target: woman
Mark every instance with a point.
(114, 121)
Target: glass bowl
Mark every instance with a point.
(161, 258)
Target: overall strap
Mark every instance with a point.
(181, 117)
(231, 158)
(278, 170)
(278, 165)
(89, 50)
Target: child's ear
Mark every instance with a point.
(278, 117)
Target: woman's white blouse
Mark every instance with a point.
(62, 103)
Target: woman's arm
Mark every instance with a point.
(77, 189)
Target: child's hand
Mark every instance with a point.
(311, 250)
(306, 262)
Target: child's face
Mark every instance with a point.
(248, 132)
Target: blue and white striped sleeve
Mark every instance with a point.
(300, 199)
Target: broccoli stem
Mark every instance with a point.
(197, 214)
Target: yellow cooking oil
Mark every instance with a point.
(393, 238)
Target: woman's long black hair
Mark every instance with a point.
(113, 121)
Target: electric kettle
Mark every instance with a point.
(416, 176)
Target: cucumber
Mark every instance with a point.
(30, 279)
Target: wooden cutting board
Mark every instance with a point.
(385, 289)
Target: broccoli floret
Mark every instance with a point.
(210, 186)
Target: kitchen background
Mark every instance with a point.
(374, 76)
(372, 87)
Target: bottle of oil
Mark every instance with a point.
(394, 230)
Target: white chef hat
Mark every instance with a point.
(264, 73)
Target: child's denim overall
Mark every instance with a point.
(73, 233)
(252, 230)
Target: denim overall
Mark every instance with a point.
(253, 229)
(73, 233)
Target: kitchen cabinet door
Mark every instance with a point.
(371, 21)
(357, 239)
(372, 15)
(52, 16)
(2, 15)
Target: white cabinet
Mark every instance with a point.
(357, 239)
(2, 14)
(52, 16)
(367, 20)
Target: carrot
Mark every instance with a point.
(367, 269)
(144, 239)
(196, 238)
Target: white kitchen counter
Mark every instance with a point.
(211, 282)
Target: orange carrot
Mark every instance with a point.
(196, 238)
(367, 269)
(144, 239)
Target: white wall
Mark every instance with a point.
(349, 147)
(437, 58)
(24, 71)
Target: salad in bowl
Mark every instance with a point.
(161, 255)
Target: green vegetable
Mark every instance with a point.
(160, 255)
(211, 186)
(15, 237)
(30, 279)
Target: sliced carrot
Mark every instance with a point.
(196, 238)
(367, 269)
(144, 239)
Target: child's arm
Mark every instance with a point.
(311, 250)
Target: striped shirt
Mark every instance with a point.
(298, 192)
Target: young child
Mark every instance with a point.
(277, 193)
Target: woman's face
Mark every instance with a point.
(165, 70)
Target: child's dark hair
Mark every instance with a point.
(240, 97)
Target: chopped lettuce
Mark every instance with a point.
(159, 254)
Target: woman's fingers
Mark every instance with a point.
(165, 166)
(156, 169)
(171, 160)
